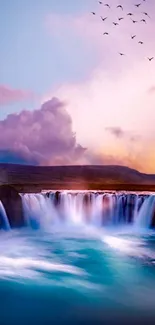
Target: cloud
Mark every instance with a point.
(40, 137)
(119, 133)
(45, 137)
(9, 95)
(115, 93)
(116, 131)
(151, 90)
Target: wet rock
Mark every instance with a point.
(87, 199)
(48, 194)
(57, 198)
(141, 201)
(124, 206)
(106, 210)
(128, 207)
(131, 208)
(12, 203)
(153, 219)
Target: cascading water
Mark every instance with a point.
(89, 259)
(145, 214)
(88, 208)
(39, 210)
(98, 209)
(4, 218)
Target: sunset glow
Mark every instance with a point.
(60, 52)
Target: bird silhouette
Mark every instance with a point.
(120, 6)
(103, 19)
(107, 5)
(138, 5)
(130, 14)
(143, 20)
(146, 14)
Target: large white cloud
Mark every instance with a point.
(117, 93)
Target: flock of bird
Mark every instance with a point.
(129, 14)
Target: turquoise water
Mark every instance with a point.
(77, 276)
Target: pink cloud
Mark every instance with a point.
(45, 137)
(42, 137)
(9, 95)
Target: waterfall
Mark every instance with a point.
(4, 218)
(84, 208)
(39, 211)
(144, 217)
(88, 208)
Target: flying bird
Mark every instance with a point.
(150, 59)
(138, 5)
(143, 20)
(107, 5)
(121, 18)
(140, 42)
(100, 2)
(146, 14)
(105, 33)
(120, 6)
(134, 21)
(133, 36)
(121, 54)
(103, 19)
(130, 14)
(93, 13)
(115, 24)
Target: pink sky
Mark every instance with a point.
(118, 93)
(109, 100)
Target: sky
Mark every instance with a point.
(66, 94)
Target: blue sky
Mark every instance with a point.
(33, 59)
